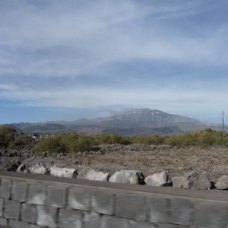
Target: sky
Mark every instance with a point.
(64, 60)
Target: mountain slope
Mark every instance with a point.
(129, 122)
(146, 121)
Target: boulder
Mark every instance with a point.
(82, 172)
(37, 169)
(22, 168)
(97, 176)
(63, 172)
(192, 180)
(14, 167)
(181, 182)
(10, 164)
(222, 182)
(159, 179)
(127, 176)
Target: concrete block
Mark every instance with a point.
(91, 220)
(79, 198)
(1, 207)
(175, 226)
(159, 210)
(56, 196)
(102, 202)
(12, 210)
(37, 194)
(138, 224)
(5, 188)
(19, 191)
(210, 214)
(18, 224)
(3, 222)
(113, 222)
(70, 218)
(46, 216)
(35, 226)
(28, 213)
(133, 206)
(181, 211)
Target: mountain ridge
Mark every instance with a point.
(126, 122)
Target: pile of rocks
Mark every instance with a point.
(191, 180)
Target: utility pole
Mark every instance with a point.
(223, 125)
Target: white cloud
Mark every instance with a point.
(43, 40)
(176, 101)
(66, 39)
(7, 87)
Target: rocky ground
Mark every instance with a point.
(211, 161)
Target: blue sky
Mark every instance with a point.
(63, 60)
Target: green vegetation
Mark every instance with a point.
(10, 139)
(7, 136)
(50, 145)
(74, 142)
(65, 143)
(149, 140)
(202, 138)
(21, 141)
(113, 139)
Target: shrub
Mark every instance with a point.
(202, 138)
(51, 145)
(21, 141)
(7, 135)
(114, 139)
(83, 143)
(149, 140)
(71, 142)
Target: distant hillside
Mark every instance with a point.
(130, 122)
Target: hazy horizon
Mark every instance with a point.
(109, 113)
(65, 60)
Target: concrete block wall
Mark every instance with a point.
(36, 202)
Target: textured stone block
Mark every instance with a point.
(5, 188)
(91, 220)
(79, 198)
(102, 202)
(3, 222)
(181, 211)
(56, 196)
(19, 190)
(37, 194)
(210, 214)
(1, 206)
(113, 222)
(35, 226)
(159, 210)
(132, 206)
(46, 216)
(12, 210)
(70, 218)
(18, 224)
(138, 224)
(176, 226)
(28, 213)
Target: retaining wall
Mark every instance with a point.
(34, 201)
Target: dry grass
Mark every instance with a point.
(212, 160)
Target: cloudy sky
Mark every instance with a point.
(63, 60)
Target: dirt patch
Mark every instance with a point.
(149, 159)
